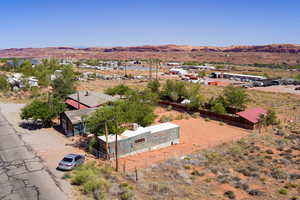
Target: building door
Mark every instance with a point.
(64, 124)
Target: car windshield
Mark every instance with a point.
(68, 159)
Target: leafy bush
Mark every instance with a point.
(166, 118)
(279, 173)
(218, 108)
(269, 151)
(197, 173)
(93, 144)
(91, 179)
(94, 184)
(187, 167)
(66, 176)
(126, 191)
(119, 89)
(283, 191)
(179, 117)
(196, 115)
(4, 85)
(82, 176)
(154, 86)
(255, 192)
(214, 157)
(230, 194)
(207, 119)
(290, 185)
(294, 198)
(35, 93)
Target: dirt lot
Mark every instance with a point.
(279, 88)
(195, 134)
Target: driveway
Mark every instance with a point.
(28, 159)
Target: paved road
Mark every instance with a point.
(22, 173)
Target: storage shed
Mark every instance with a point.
(72, 121)
(251, 116)
(140, 140)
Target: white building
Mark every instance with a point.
(33, 82)
(178, 71)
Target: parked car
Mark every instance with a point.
(71, 161)
(297, 88)
(247, 85)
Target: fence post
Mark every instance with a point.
(124, 167)
(136, 174)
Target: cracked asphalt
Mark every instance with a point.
(22, 173)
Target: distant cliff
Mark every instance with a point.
(275, 53)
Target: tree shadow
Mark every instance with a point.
(79, 142)
(59, 129)
(31, 125)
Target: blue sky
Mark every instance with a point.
(43, 23)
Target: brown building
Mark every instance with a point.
(81, 104)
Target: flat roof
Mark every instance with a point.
(140, 130)
(245, 75)
(92, 99)
(75, 116)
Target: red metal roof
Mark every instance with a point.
(75, 104)
(252, 114)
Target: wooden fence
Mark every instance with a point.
(231, 119)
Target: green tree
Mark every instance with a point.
(144, 96)
(109, 115)
(193, 93)
(271, 118)
(43, 111)
(154, 86)
(262, 121)
(218, 108)
(201, 74)
(26, 68)
(118, 114)
(44, 70)
(236, 97)
(119, 89)
(214, 100)
(4, 85)
(138, 112)
(64, 85)
(174, 90)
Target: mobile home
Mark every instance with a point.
(140, 139)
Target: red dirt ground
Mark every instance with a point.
(195, 135)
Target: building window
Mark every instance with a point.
(140, 140)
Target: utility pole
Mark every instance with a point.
(106, 138)
(150, 69)
(156, 71)
(116, 152)
(125, 69)
(78, 104)
(116, 149)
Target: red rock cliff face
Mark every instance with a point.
(277, 53)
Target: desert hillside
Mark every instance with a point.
(275, 53)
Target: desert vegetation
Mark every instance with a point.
(260, 166)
